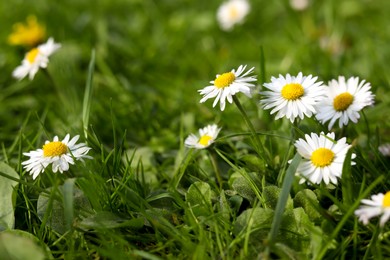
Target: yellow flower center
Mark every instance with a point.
(204, 140)
(386, 200)
(31, 55)
(293, 91)
(342, 101)
(233, 13)
(322, 157)
(54, 149)
(224, 80)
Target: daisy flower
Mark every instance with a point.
(58, 153)
(384, 149)
(207, 136)
(378, 205)
(225, 86)
(231, 13)
(344, 100)
(35, 59)
(323, 158)
(291, 96)
(29, 34)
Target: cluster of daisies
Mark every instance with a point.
(296, 97)
(292, 97)
(59, 154)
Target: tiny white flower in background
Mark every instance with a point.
(232, 12)
(35, 59)
(207, 136)
(344, 100)
(58, 153)
(228, 84)
(384, 149)
(299, 5)
(378, 205)
(292, 97)
(323, 158)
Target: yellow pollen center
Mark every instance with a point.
(322, 157)
(386, 200)
(204, 140)
(292, 91)
(31, 55)
(233, 12)
(224, 80)
(342, 101)
(54, 149)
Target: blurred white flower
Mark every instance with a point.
(291, 96)
(228, 84)
(232, 12)
(206, 137)
(59, 153)
(323, 158)
(299, 5)
(384, 149)
(35, 59)
(378, 205)
(344, 100)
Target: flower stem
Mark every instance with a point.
(258, 144)
(214, 162)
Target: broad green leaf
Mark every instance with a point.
(21, 245)
(7, 196)
(271, 195)
(255, 219)
(307, 199)
(199, 197)
(107, 220)
(52, 207)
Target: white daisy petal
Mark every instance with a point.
(379, 204)
(230, 13)
(226, 85)
(344, 100)
(292, 97)
(35, 59)
(58, 153)
(322, 160)
(207, 136)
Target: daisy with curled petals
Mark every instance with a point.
(58, 153)
(323, 158)
(225, 86)
(344, 100)
(35, 59)
(207, 136)
(291, 96)
(378, 205)
(232, 12)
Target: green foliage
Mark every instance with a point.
(126, 79)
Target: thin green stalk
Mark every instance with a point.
(214, 162)
(258, 144)
(88, 94)
(179, 175)
(282, 200)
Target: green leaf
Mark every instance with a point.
(255, 218)
(307, 199)
(108, 220)
(7, 196)
(199, 197)
(21, 245)
(58, 218)
(271, 195)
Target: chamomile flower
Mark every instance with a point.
(228, 84)
(384, 149)
(58, 153)
(231, 13)
(207, 136)
(344, 100)
(29, 34)
(379, 204)
(291, 96)
(323, 158)
(35, 59)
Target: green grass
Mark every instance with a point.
(126, 81)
